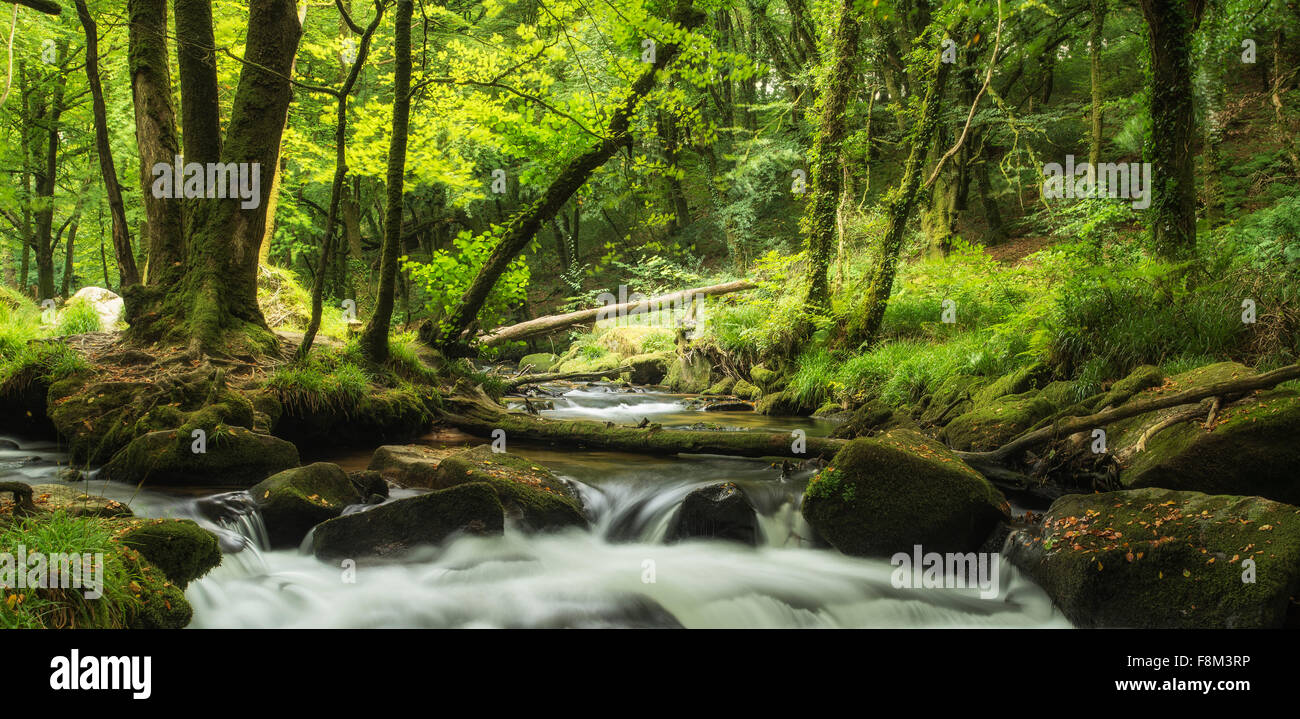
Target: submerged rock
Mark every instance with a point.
(530, 493)
(1161, 558)
(394, 529)
(70, 500)
(718, 511)
(295, 500)
(235, 457)
(883, 495)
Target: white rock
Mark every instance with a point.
(108, 305)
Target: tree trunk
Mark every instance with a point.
(127, 271)
(46, 181)
(524, 226)
(374, 338)
(155, 135)
(820, 222)
(1171, 25)
(1094, 59)
(870, 313)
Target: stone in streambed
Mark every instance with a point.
(1157, 558)
(718, 511)
(408, 465)
(72, 501)
(530, 493)
(235, 457)
(295, 500)
(182, 549)
(885, 494)
(394, 529)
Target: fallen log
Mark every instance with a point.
(982, 461)
(517, 382)
(550, 323)
(478, 417)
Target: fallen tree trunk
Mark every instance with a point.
(982, 461)
(522, 380)
(550, 323)
(479, 417)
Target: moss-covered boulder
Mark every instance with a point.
(408, 465)
(884, 495)
(718, 511)
(872, 417)
(955, 396)
(539, 361)
(994, 423)
(530, 493)
(689, 374)
(233, 457)
(295, 500)
(765, 379)
(183, 550)
(1252, 448)
(1033, 377)
(649, 368)
(382, 415)
(394, 529)
(1143, 378)
(722, 386)
(71, 500)
(745, 390)
(783, 403)
(1159, 558)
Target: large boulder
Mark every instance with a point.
(718, 511)
(1162, 558)
(995, 422)
(532, 496)
(182, 549)
(394, 529)
(689, 373)
(1252, 448)
(233, 457)
(649, 368)
(108, 305)
(295, 500)
(538, 362)
(886, 494)
(408, 465)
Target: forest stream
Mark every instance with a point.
(621, 573)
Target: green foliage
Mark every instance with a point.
(78, 317)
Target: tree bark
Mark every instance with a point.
(127, 272)
(374, 337)
(46, 181)
(524, 226)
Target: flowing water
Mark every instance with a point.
(618, 574)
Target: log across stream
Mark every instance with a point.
(619, 574)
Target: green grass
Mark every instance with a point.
(61, 608)
(78, 317)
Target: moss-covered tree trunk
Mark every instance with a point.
(1171, 25)
(155, 135)
(128, 274)
(870, 313)
(820, 222)
(374, 337)
(1094, 63)
(47, 172)
(452, 333)
(209, 302)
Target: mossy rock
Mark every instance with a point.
(295, 500)
(1143, 378)
(183, 550)
(745, 390)
(72, 501)
(649, 368)
(540, 361)
(573, 361)
(689, 374)
(1022, 380)
(997, 422)
(722, 386)
(765, 379)
(870, 418)
(1158, 558)
(383, 415)
(953, 397)
(235, 457)
(395, 529)
(784, 403)
(530, 493)
(884, 495)
(408, 465)
(1253, 448)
